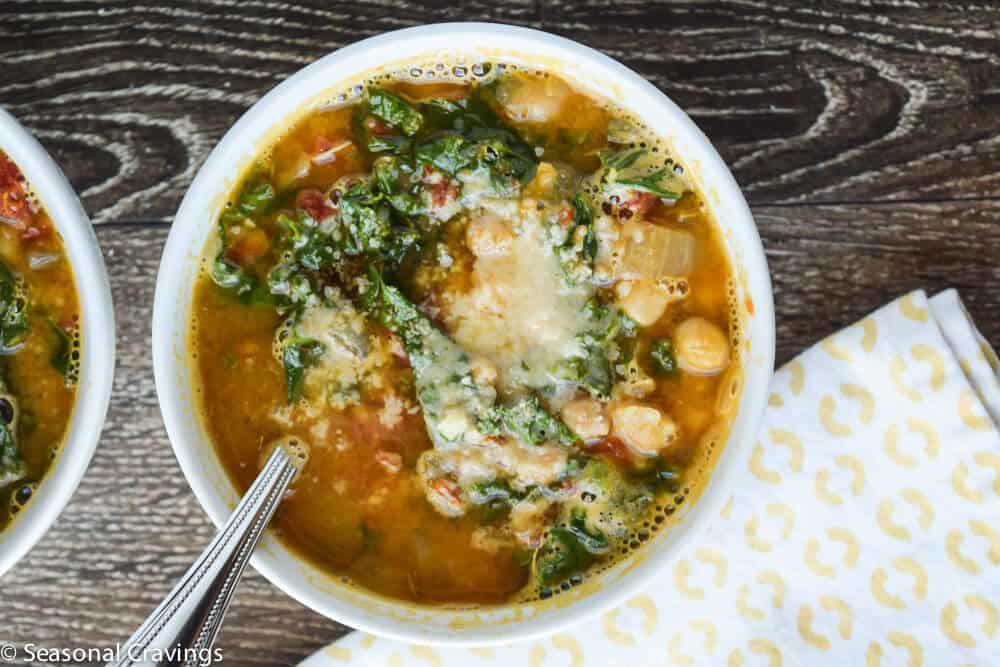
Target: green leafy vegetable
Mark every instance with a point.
(365, 218)
(13, 311)
(389, 144)
(393, 177)
(569, 549)
(450, 153)
(395, 111)
(227, 274)
(481, 493)
(578, 252)
(662, 354)
(60, 359)
(651, 183)
(255, 199)
(297, 355)
(508, 159)
(621, 170)
(530, 422)
(622, 159)
(452, 402)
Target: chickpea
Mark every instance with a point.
(586, 417)
(702, 348)
(643, 428)
(488, 236)
(643, 300)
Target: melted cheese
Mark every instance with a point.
(519, 313)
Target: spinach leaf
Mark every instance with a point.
(395, 111)
(297, 355)
(662, 353)
(13, 311)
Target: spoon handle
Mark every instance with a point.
(183, 628)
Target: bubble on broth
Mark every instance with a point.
(21, 496)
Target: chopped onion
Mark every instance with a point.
(330, 154)
(653, 251)
(39, 260)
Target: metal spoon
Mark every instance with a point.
(183, 628)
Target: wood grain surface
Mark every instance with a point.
(866, 135)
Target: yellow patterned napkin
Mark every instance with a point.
(866, 531)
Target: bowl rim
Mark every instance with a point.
(270, 112)
(97, 333)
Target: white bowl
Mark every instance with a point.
(97, 333)
(311, 88)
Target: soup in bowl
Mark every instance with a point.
(516, 317)
(56, 341)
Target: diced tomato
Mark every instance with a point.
(376, 126)
(442, 193)
(566, 217)
(321, 144)
(13, 200)
(614, 449)
(248, 247)
(639, 204)
(314, 204)
(36, 231)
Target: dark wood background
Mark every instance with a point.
(865, 133)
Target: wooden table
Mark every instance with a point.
(865, 134)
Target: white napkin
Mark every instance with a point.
(867, 531)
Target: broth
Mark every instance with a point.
(499, 315)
